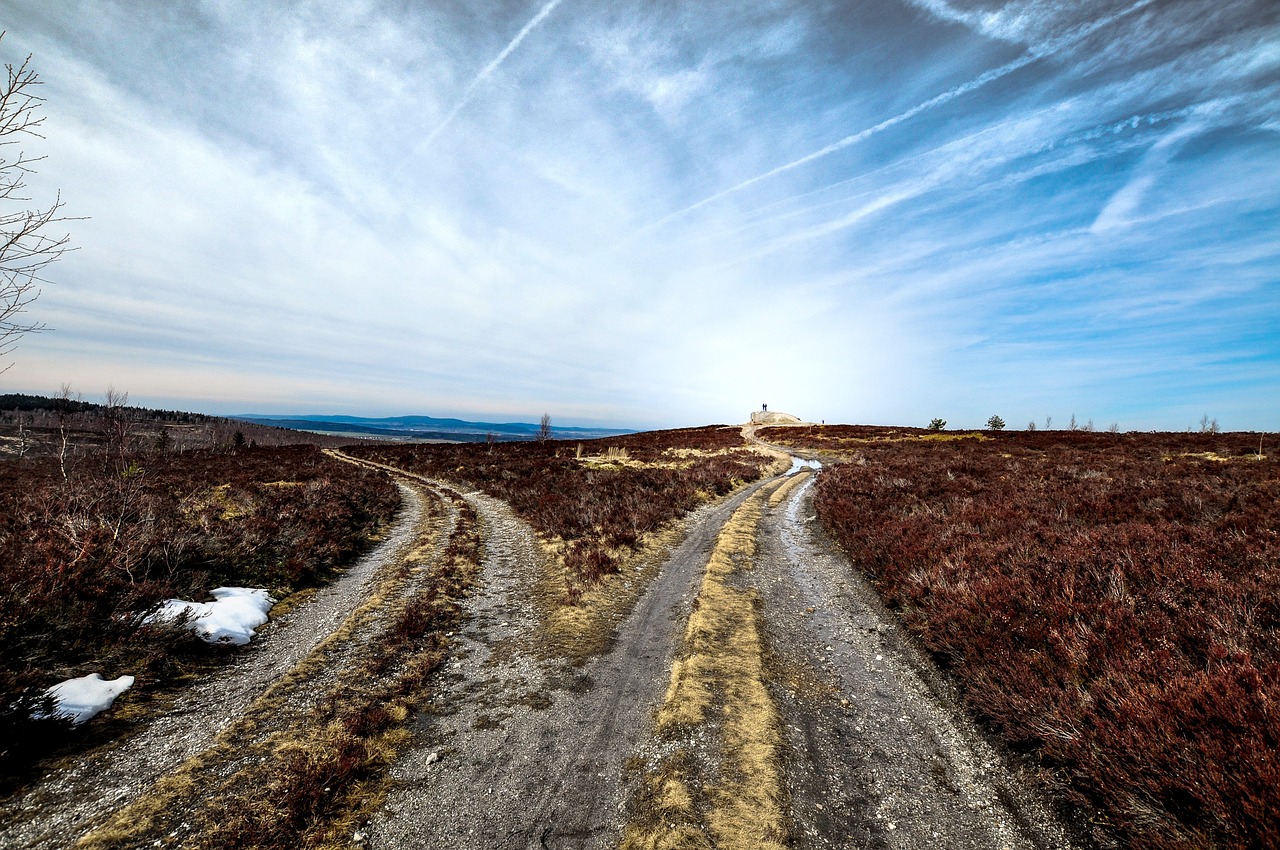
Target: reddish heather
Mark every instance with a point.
(595, 508)
(81, 558)
(1109, 603)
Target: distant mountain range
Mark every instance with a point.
(426, 428)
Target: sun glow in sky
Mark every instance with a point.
(652, 214)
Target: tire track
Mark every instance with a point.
(66, 804)
(525, 749)
(882, 756)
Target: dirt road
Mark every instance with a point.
(756, 695)
(74, 798)
(879, 753)
(526, 750)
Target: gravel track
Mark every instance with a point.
(67, 803)
(526, 750)
(880, 754)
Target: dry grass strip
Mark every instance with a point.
(783, 490)
(719, 681)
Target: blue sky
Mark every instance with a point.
(659, 213)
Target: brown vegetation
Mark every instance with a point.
(1108, 603)
(312, 781)
(85, 556)
(597, 498)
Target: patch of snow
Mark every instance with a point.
(232, 618)
(799, 463)
(82, 698)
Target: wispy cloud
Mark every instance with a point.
(1047, 49)
(625, 205)
(485, 73)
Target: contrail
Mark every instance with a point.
(1038, 52)
(485, 73)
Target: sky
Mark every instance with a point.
(643, 213)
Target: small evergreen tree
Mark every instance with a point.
(936, 424)
(995, 423)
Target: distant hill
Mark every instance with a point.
(32, 425)
(426, 428)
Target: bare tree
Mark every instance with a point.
(115, 426)
(63, 402)
(22, 435)
(26, 246)
(544, 428)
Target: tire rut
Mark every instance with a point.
(524, 749)
(881, 755)
(69, 802)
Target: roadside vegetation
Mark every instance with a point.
(1108, 603)
(307, 765)
(95, 537)
(600, 507)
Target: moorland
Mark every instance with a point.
(1106, 605)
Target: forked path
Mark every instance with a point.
(526, 750)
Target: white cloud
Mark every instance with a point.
(251, 224)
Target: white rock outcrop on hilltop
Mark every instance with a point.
(773, 417)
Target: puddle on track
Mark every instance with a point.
(798, 464)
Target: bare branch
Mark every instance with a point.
(26, 245)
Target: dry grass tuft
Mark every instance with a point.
(783, 490)
(670, 818)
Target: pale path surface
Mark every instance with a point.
(527, 751)
(61, 807)
(881, 757)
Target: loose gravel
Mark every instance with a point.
(880, 754)
(67, 803)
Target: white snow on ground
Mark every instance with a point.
(799, 463)
(82, 698)
(232, 618)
